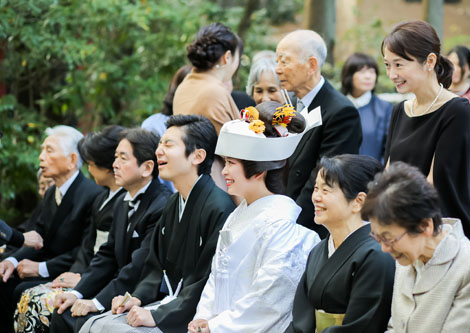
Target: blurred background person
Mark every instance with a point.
(459, 56)
(431, 292)
(157, 122)
(358, 79)
(263, 83)
(430, 131)
(44, 183)
(215, 56)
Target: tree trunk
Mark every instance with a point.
(245, 22)
(433, 12)
(321, 17)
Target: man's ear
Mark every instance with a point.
(73, 161)
(147, 168)
(312, 64)
(199, 156)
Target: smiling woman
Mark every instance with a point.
(261, 251)
(431, 292)
(347, 284)
(431, 130)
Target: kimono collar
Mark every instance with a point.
(272, 208)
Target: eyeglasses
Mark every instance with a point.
(387, 242)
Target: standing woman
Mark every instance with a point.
(215, 56)
(431, 131)
(358, 79)
(261, 250)
(263, 84)
(459, 56)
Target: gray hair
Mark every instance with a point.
(68, 140)
(258, 67)
(310, 44)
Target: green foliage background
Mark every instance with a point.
(87, 63)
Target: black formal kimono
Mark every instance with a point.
(184, 248)
(357, 281)
(101, 219)
(117, 265)
(61, 228)
(340, 133)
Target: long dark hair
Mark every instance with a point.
(418, 39)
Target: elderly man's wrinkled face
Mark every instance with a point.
(52, 161)
(293, 71)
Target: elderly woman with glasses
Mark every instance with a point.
(431, 292)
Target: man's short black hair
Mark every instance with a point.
(144, 144)
(198, 133)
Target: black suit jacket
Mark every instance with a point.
(62, 227)
(340, 133)
(118, 264)
(10, 236)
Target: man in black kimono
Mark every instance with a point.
(184, 241)
(118, 264)
(300, 57)
(63, 217)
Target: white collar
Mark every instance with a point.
(183, 202)
(307, 99)
(128, 196)
(362, 100)
(66, 185)
(111, 195)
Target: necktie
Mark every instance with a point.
(300, 105)
(58, 196)
(132, 206)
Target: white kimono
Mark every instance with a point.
(261, 255)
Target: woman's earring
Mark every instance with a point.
(217, 66)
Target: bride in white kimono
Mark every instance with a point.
(261, 251)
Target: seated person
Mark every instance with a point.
(10, 236)
(61, 222)
(118, 264)
(431, 292)
(261, 252)
(184, 240)
(43, 183)
(347, 285)
(36, 304)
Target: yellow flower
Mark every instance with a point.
(103, 76)
(257, 126)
